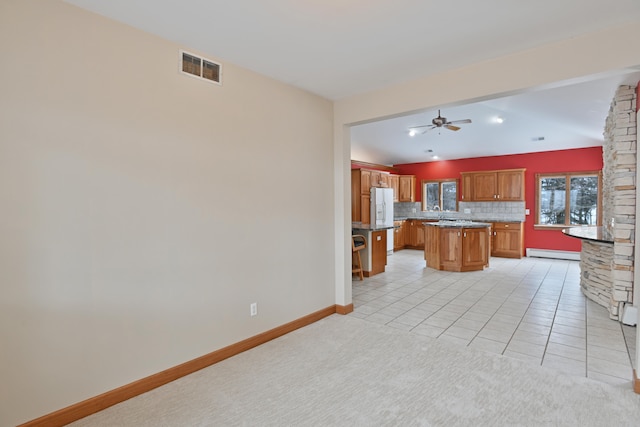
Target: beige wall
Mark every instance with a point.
(142, 211)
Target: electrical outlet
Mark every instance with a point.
(254, 309)
(527, 212)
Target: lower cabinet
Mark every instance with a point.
(456, 248)
(507, 240)
(378, 252)
(414, 234)
(398, 235)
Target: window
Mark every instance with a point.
(571, 198)
(198, 67)
(440, 195)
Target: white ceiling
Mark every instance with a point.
(570, 116)
(339, 48)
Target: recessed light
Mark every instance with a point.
(434, 157)
(412, 132)
(499, 119)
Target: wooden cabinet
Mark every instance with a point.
(419, 242)
(450, 249)
(365, 181)
(507, 240)
(407, 190)
(491, 186)
(398, 235)
(379, 179)
(475, 248)
(485, 186)
(457, 248)
(414, 237)
(394, 183)
(361, 182)
(365, 215)
(510, 185)
(378, 252)
(467, 187)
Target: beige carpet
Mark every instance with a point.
(346, 371)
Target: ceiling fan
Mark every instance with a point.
(439, 122)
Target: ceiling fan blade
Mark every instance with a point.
(460, 121)
(427, 129)
(422, 126)
(451, 127)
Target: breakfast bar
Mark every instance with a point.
(374, 256)
(596, 279)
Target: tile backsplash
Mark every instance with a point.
(494, 211)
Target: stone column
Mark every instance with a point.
(619, 193)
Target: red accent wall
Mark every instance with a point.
(582, 159)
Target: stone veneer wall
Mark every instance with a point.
(619, 194)
(595, 271)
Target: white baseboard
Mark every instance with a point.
(629, 315)
(550, 253)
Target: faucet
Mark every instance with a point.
(436, 208)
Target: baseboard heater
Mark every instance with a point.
(550, 253)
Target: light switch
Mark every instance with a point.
(527, 212)
(378, 238)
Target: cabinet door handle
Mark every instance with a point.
(458, 234)
(465, 234)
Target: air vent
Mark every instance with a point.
(538, 138)
(205, 69)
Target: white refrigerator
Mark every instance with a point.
(382, 212)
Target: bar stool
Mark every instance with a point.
(358, 243)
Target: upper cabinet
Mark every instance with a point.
(493, 186)
(407, 191)
(394, 183)
(379, 179)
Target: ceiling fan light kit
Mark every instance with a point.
(439, 122)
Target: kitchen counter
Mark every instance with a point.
(479, 219)
(369, 227)
(458, 224)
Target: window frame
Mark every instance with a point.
(567, 176)
(423, 188)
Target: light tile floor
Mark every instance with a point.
(531, 309)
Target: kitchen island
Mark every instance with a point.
(457, 245)
(374, 256)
